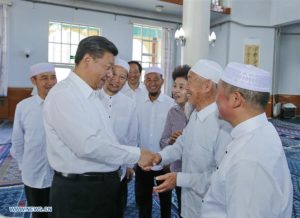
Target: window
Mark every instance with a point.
(147, 45)
(63, 40)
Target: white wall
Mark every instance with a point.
(240, 35)
(219, 51)
(285, 11)
(289, 61)
(29, 29)
(252, 12)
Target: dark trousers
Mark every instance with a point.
(122, 203)
(37, 197)
(144, 182)
(178, 194)
(85, 196)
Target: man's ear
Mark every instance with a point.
(87, 58)
(33, 80)
(237, 99)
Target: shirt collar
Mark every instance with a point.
(203, 114)
(160, 98)
(85, 89)
(39, 100)
(127, 87)
(104, 95)
(249, 125)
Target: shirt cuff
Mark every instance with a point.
(135, 153)
(163, 158)
(182, 180)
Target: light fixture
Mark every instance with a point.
(159, 8)
(212, 38)
(180, 37)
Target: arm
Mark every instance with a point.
(199, 182)
(172, 153)
(86, 142)
(17, 139)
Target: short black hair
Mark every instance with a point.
(181, 71)
(138, 64)
(95, 46)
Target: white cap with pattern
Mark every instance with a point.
(247, 77)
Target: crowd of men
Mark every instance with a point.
(80, 141)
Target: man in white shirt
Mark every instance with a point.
(121, 112)
(253, 179)
(29, 141)
(81, 145)
(134, 87)
(202, 143)
(152, 114)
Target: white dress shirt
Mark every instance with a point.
(29, 143)
(121, 112)
(151, 120)
(253, 179)
(79, 136)
(133, 94)
(201, 147)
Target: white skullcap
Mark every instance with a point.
(208, 70)
(122, 63)
(247, 77)
(41, 68)
(154, 70)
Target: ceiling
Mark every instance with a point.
(146, 5)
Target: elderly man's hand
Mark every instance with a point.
(148, 160)
(168, 183)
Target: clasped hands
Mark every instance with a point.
(147, 161)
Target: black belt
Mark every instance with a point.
(90, 176)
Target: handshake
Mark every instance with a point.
(148, 159)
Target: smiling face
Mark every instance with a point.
(44, 82)
(179, 91)
(117, 81)
(194, 88)
(153, 83)
(134, 74)
(99, 69)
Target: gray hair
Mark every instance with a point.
(253, 98)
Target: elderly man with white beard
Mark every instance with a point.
(202, 143)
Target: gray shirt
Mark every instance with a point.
(176, 121)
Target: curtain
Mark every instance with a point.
(167, 59)
(3, 49)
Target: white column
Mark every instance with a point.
(196, 25)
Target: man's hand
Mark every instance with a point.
(129, 173)
(168, 183)
(174, 136)
(148, 160)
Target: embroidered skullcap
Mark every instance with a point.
(247, 77)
